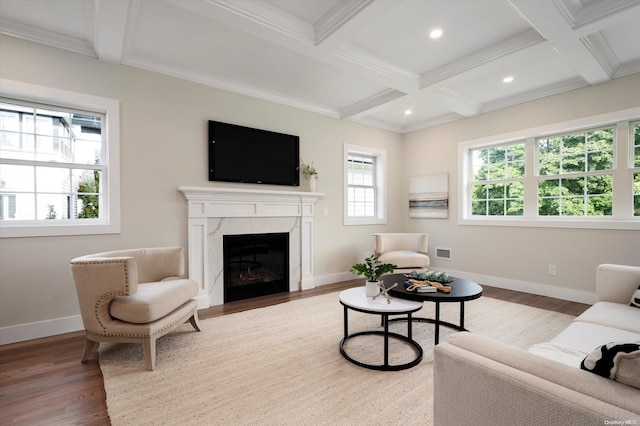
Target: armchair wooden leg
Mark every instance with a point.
(89, 348)
(149, 348)
(194, 320)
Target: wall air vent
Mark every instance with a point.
(443, 253)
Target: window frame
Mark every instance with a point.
(110, 222)
(622, 217)
(380, 165)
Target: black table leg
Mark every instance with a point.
(346, 326)
(437, 323)
(386, 340)
(462, 314)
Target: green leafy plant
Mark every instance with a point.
(372, 268)
(309, 170)
(439, 277)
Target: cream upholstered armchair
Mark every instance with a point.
(406, 250)
(134, 296)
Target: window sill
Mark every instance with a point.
(35, 229)
(364, 221)
(595, 223)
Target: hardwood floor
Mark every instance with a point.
(42, 381)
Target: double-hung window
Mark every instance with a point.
(497, 186)
(58, 168)
(364, 185)
(576, 173)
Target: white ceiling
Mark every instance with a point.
(362, 60)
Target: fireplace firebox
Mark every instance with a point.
(255, 265)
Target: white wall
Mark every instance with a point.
(518, 257)
(163, 146)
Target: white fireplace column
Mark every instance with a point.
(214, 212)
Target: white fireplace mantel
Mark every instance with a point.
(213, 212)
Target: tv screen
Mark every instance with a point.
(243, 154)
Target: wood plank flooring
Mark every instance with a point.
(42, 382)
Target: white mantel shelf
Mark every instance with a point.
(204, 192)
(235, 210)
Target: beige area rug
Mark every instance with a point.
(281, 365)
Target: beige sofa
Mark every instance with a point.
(480, 381)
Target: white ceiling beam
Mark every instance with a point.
(110, 29)
(457, 102)
(367, 106)
(548, 20)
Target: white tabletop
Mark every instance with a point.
(356, 298)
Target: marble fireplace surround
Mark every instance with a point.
(215, 212)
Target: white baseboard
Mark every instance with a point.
(334, 278)
(578, 296)
(37, 330)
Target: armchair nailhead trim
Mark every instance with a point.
(109, 296)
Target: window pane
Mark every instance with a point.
(548, 207)
(53, 180)
(597, 185)
(496, 208)
(599, 206)
(549, 188)
(514, 190)
(572, 206)
(499, 163)
(361, 202)
(87, 184)
(550, 166)
(576, 153)
(573, 163)
(600, 161)
(17, 178)
(52, 206)
(479, 192)
(549, 147)
(572, 186)
(479, 208)
(515, 208)
(360, 170)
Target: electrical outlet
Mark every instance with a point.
(552, 269)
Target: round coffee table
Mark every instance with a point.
(356, 299)
(461, 291)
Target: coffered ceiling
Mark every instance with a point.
(369, 61)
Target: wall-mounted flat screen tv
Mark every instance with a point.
(244, 154)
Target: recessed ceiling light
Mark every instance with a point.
(408, 112)
(507, 79)
(436, 33)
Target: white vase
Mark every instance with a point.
(372, 288)
(313, 183)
